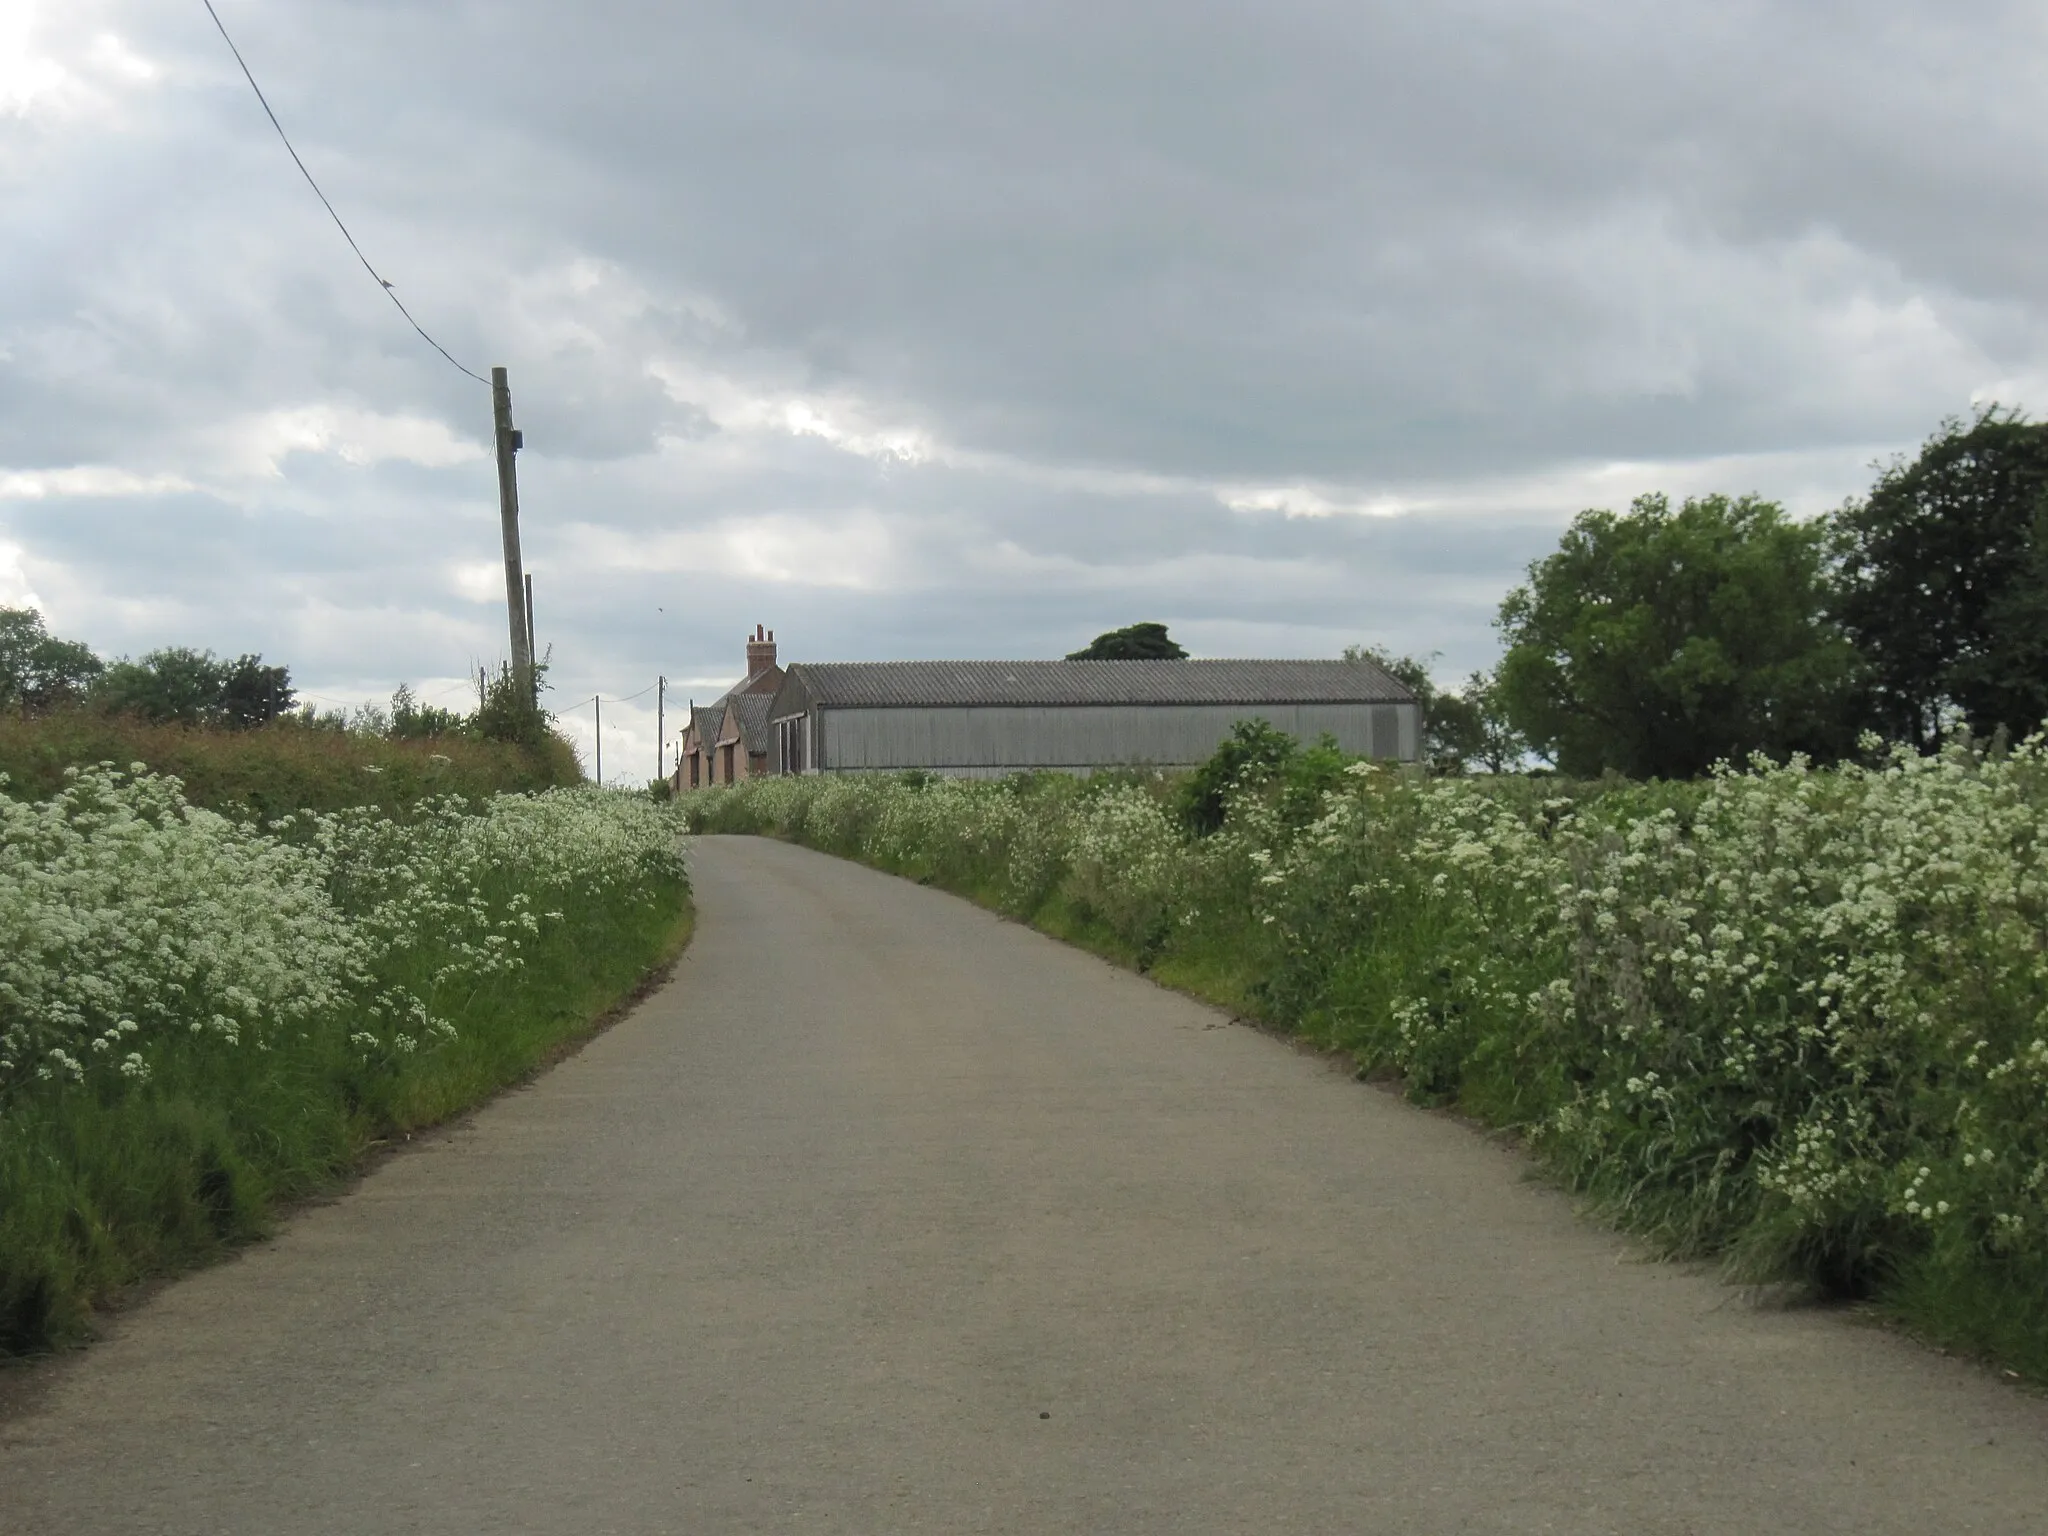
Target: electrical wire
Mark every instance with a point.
(389, 292)
(328, 698)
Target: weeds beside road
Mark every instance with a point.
(1790, 1018)
(201, 1016)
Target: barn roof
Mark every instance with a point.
(853, 684)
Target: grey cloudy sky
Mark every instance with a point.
(921, 329)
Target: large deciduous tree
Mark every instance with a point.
(1944, 572)
(253, 694)
(1658, 642)
(181, 686)
(1134, 642)
(37, 670)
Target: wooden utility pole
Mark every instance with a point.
(660, 725)
(597, 711)
(532, 650)
(509, 444)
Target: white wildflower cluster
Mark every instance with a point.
(1838, 972)
(126, 914)
(1126, 863)
(132, 923)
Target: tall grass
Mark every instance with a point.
(278, 768)
(200, 1017)
(1792, 1019)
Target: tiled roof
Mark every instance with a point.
(846, 684)
(708, 717)
(751, 709)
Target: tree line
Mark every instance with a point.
(177, 685)
(1657, 642)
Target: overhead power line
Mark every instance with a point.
(389, 292)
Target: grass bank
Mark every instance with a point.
(278, 768)
(1785, 1018)
(200, 1020)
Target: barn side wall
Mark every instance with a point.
(988, 739)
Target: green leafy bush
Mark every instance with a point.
(1253, 754)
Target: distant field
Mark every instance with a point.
(277, 768)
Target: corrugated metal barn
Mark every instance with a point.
(986, 718)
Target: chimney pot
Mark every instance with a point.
(760, 650)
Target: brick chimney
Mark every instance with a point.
(760, 651)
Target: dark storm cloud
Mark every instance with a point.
(918, 329)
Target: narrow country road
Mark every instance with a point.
(886, 1216)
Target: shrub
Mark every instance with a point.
(1252, 755)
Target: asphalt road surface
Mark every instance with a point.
(886, 1215)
